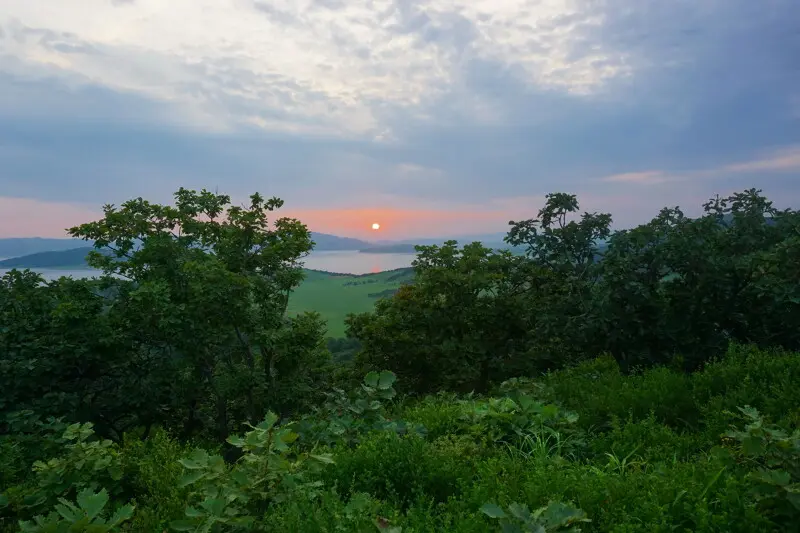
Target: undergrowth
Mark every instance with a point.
(584, 449)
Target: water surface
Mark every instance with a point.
(345, 262)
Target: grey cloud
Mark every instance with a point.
(333, 5)
(64, 42)
(275, 14)
(711, 84)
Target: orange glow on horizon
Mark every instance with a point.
(399, 223)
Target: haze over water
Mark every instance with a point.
(344, 262)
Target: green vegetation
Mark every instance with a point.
(73, 258)
(652, 391)
(334, 296)
(17, 247)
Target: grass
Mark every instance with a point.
(334, 296)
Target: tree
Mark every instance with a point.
(566, 318)
(681, 286)
(458, 326)
(203, 286)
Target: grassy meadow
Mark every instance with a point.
(335, 295)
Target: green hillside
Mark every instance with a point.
(335, 295)
(73, 258)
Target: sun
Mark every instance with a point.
(376, 226)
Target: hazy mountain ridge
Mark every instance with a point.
(75, 257)
(27, 246)
(20, 246)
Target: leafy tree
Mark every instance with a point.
(681, 286)
(456, 327)
(206, 284)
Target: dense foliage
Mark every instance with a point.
(673, 291)
(638, 380)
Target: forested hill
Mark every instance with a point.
(64, 253)
(324, 242)
(75, 257)
(18, 247)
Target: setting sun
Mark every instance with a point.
(376, 226)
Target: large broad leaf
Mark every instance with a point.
(67, 511)
(269, 421)
(191, 477)
(492, 511)
(520, 511)
(561, 514)
(123, 513)
(193, 512)
(753, 446)
(793, 495)
(323, 458)
(198, 459)
(386, 379)
(778, 478)
(372, 379)
(92, 504)
(236, 440)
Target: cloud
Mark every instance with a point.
(26, 217)
(785, 160)
(409, 105)
(647, 177)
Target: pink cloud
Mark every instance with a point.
(25, 217)
(785, 160)
(645, 178)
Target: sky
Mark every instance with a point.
(431, 117)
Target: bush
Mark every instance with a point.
(399, 469)
(152, 475)
(598, 392)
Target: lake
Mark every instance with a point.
(345, 262)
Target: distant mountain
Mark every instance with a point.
(328, 243)
(397, 248)
(408, 248)
(76, 257)
(33, 245)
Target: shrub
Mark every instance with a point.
(399, 469)
(152, 475)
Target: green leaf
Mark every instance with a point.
(492, 511)
(386, 380)
(323, 458)
(67, 511)
(191, 477)
(561, 514)
(182, 525)
(793, 495)
(372, 379)
(92, 504)
(215, 506)
(753, 446)
(269, 421)
(778, 478)
(121, 515)
(236, 441)
(750, 412)
(520, 511)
